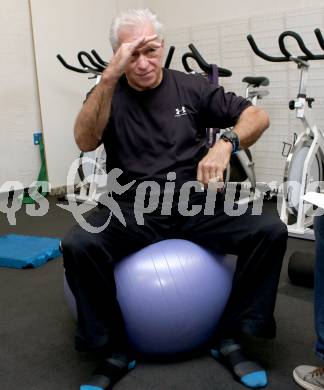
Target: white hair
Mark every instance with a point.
(132, 18)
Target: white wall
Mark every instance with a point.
(185, 13)
(19, 106)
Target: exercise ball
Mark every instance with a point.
(172, 294)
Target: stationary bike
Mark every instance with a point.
(304, 164)
(253, 93)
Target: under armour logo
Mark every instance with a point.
(180, 111)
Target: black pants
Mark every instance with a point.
(258, 241)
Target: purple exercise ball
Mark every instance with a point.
(172, 295)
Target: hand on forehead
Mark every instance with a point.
(145, 42)
(150, 41)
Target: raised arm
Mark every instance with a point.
(94, 114)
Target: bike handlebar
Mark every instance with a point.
(201, 62)
(97, 67)
(319, 37)
(198, 57)
(308, 55)
(261, 54)
(98, 58)
(169, 57)
(98, 64)
(70, 67)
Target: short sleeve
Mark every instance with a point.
(219, 108)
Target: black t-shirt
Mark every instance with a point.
(153, 132)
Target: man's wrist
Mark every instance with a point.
(109, 78)
(227, 144)
(231, 138)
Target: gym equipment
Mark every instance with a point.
(301, 269)
(241, 165)
(96, 70)
(212, 72)
(172, 294)
(18, 251)
(42, 176)
(304, 164)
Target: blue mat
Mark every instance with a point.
(17, 251)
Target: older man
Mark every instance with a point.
(153, 123)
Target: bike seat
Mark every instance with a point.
(256, 81)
